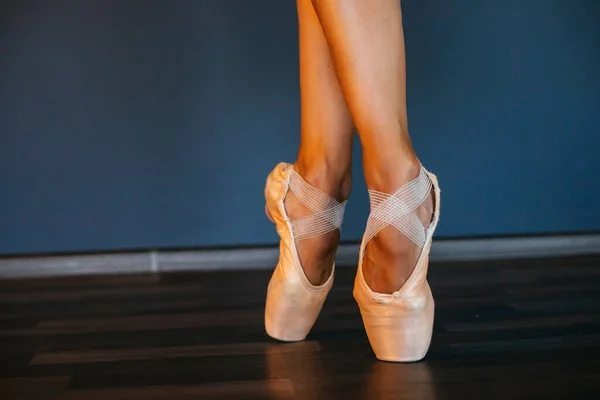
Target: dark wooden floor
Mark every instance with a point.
(504, 330)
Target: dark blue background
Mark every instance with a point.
(136, 124)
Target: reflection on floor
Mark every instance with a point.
(504, 329)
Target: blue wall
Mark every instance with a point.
(153, 124)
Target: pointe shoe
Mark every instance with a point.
(293, 303)
(399, 325)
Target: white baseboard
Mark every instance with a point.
(265, 258)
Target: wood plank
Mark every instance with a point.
(32, 387)
(277, 388)
(523, 323)
(111, 355)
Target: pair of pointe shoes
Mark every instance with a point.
(399, 325)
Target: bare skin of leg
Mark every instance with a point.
(324, 158)
(366, 40)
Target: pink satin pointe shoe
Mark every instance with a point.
(293, 303)
(399, 325)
